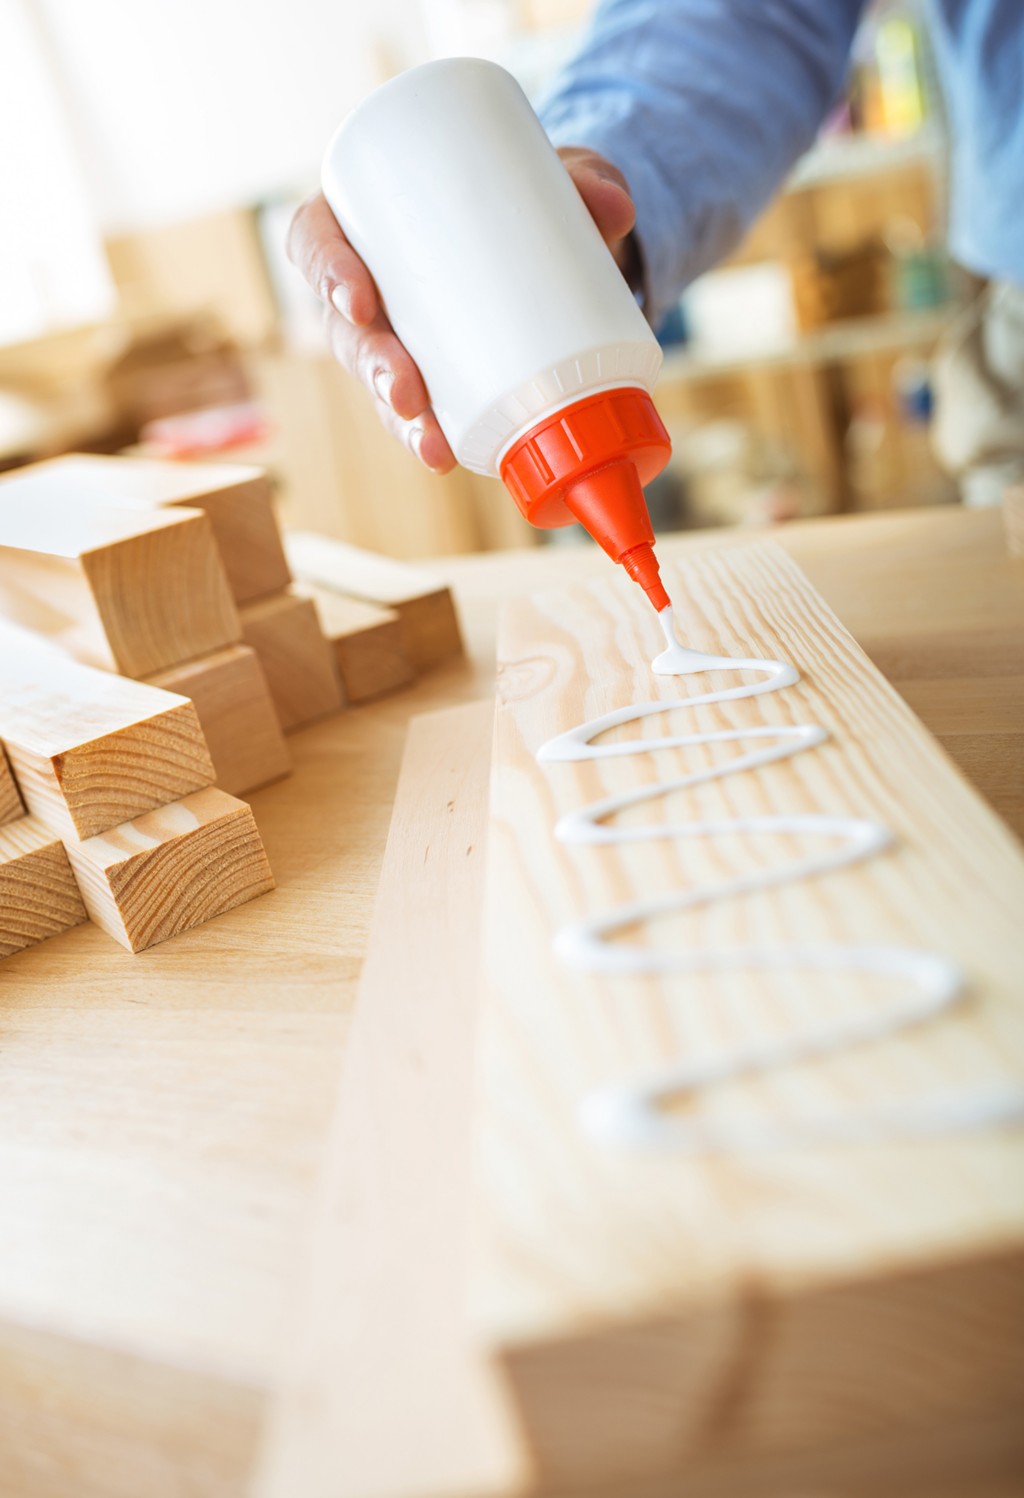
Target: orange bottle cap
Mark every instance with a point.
(589, 462)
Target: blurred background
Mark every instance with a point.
(154, 153)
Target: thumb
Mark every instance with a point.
(604, 190)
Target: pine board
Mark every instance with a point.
(652, 1315)
(238, 501)
(381, 1345)
(89, 749)
(236, 712)
(38, 894)
(297, 661)
(368, 643)
(172, 869)
(127, 590)
(423, 603)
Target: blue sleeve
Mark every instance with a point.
(704, 105)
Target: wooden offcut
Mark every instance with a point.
(89, 749)
(38, 894)
(236, 714)
(171, 869)
(670, 1317)
(238, 499)
(380, 1342)
(423, 603)
(368, 642)
(10, 801)
(297, 660)
(128, 590)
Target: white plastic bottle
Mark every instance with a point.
(537, 359)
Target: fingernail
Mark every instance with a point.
(437, 465)
(383, 383)
(342, 301)
(415, 440)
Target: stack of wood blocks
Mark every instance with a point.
(38, 893)
(401, 603)
(174, 577)
(124, 821)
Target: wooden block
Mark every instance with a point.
(171, 869)
(299, 663)
(382, 1369)
(698, 1283)
(10, 801)
(236, 714)
(38, 893)
(423, 603)
(369, 643)
(91, 750)
(128, 590)
(237, 499)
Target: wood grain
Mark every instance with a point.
(38, 894)
(164, 1119)
(236, 714)
(10, 801)
(368, 642)
(171, 869)
(383, 1342)
(128, 590)
(650, 1315)
(297, 661)
(238, 500)
(423, 603)
(91, 750)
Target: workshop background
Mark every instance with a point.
(146, 303)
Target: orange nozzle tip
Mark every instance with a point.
(642, 566)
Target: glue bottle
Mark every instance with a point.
(538, 362)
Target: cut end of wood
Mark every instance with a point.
(38, 894)
(237, 715)
(297, 660)
(172, 869)
(368, 643)
(237, 498)
(162, 595)
(423, 603)
(103, 781)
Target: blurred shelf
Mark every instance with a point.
(842, 158)
(837, 343)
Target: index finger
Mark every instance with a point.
(317, 246)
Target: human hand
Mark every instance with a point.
(362, 339)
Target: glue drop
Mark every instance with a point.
(538, 362)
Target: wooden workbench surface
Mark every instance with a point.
(162, 1116)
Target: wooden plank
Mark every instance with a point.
(171, 869)
(237, 498)
(298, 662)
(128, 590)
(659, 1314)
(10, 801)
(368, 642)
(236, 714)
(423, 603)
(91, 750)
(149, 1269)
(38, 894)
(381, 1369)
